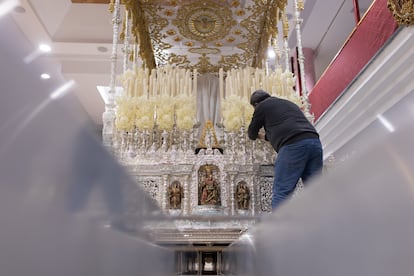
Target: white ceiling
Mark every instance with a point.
(81, 39)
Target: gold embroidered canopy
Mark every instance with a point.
(204, 34)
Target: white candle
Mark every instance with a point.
(238, 83)
(195, 81)
(157, 84)
(152, 86)
(256, 77)
(181, 79)
(161, 80)
(145, 88)
(130, 87)
(246, 83)
(185, 79)
(136, 87)
(267, 68)
(221, 88)
(229, 83)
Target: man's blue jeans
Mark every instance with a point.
(302, 159)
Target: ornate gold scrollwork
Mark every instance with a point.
(204, 21)
(402, 10)
(163, 30)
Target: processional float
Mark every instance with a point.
(196, 163)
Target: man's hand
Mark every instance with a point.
(261, 135)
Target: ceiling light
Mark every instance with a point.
(45, 76)
(19, 9)
(45, 48)
(42, 48)
(102, 49)
(271, 53)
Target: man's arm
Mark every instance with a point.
(254, 127)
(253, 131)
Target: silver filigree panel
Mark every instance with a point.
(265, 192)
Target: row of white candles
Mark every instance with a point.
(243, 82)
(172, 81)
(163, 81)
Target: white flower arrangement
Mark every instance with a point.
(164, 112)
(144, 113)
(185, 111)
(125, 114)
(236, 112)
(159, 98)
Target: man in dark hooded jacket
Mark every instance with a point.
(293, 137)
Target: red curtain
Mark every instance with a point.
(368, 37)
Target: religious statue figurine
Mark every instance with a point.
(209, 189)
(208, 138)
(242, 196)
(175, 194)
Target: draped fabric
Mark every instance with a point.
(366, 40)
(208, 99)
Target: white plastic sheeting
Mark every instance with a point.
(63, 198)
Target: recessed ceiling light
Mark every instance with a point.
(271, 53)
(19, 9)
(102, 49)
(45, 48)
(45, 76)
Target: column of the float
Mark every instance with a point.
(108, 117)
(164, 197)
(232, 192)
(295, 70)
(126, 41)
(286, 49)
(221, 87)
(187, 195)
(131, 89)
(301, 59)
(197, 97)
(253, 195)
(221, 102)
